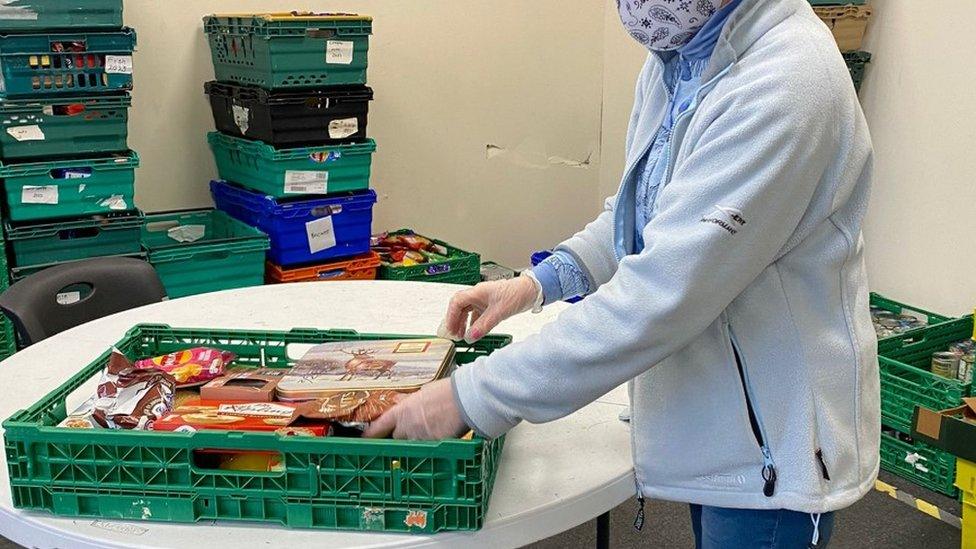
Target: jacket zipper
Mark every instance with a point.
(769, 467)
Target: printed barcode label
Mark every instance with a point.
(306, 182)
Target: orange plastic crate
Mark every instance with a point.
(363, 267)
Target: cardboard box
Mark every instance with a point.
(244, 385)
(953, 430)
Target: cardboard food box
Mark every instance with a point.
(277, 417)
(953, 430)
(245, 385)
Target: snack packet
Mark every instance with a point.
(279, 417)
(131, 398)
(351, 408)
(192, 366)
(81, 418)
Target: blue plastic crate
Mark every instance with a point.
(287, 221)
(541, 256)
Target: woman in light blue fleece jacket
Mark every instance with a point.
(725, 282)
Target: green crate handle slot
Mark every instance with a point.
(97, 164)
(89, 102)
(259, 148)
(46, 230)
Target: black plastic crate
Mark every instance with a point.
(291, 118)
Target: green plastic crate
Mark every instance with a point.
(898, 308)
(50, 64)
(230, 254)
(461, 267)
(906, 381)
(915, 461)
(69, 188)
(286, 50)
(8, 339)
(856, 63)
(292, 172)
(36, 15)
(328, 482)
(19, 273)
(48, 127)
(47, 242)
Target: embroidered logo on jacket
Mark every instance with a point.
(727, 218)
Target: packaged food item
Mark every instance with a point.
(407, 249)
(191, 366)
(249, 385)
(397, 365)
(81, 417)
(351, 407)
(887, 323)
(201, 414)
(130, 397)
(945, 364)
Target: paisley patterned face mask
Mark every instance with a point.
(664, 25)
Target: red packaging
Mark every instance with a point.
(198, 414)
(192, 366)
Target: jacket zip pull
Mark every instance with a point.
(823, 465)
(768, 473)
(639, 519)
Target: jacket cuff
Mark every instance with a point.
(547, 276)
(476, 412)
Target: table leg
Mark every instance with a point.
(603, 531)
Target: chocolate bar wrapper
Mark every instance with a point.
(131, 398)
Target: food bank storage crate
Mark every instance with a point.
(303, 230)
(899, 308)
(229, 254)
(847, 23)
(289, 50)
(460, 267)
(363, 267)
(69, 188)
(61, 63)
(96, 236)
(918, 462)
(856, 63)
(289, 172)
(8, 339)
(74, 126)
(906, 379)
(19, 273)
(334, 483)
(35, 15)
(291, 118)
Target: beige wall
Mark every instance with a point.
(451, 78)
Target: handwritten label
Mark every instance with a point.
(67, 298)
(118, 64)
(26, 133)
(341, 129)
(306, 182)
(242, 117)
(321, 234)
(338, 52)
(47, 194)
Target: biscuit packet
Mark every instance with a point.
(355, 409)
(198, 414)
(131, 398)
(191, 366)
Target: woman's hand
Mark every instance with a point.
(489, 303)
(429, 414)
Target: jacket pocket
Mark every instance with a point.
(755, 420)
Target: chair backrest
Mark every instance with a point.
(62, 297)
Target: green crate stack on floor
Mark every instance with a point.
(908, 337)
(68, 173)
(290, 105)
(847, 21)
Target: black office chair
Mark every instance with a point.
(62, 297)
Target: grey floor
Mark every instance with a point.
(876, 521)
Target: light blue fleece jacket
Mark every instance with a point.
(749, 298)
(560, 275)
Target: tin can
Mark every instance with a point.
(965, 372)
(945, 364)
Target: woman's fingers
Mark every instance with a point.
(462, 304)
(384, 425)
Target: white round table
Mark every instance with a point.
(552, 477)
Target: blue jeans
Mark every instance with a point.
(718, 528)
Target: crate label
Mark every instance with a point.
(26, 133)
(242, 117)
(321, 235)
(338, 52)
(114, 202)
(343, 128)
(47, 194)
(306, 182)
(16, 13)
(67, 298)
(416, 518)
(118, 64)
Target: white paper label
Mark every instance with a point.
(118, 64)
(242, 117)
(16, 13)
(47, 194)
(67, 298)
(26, 133)
(48, 110)
(341, 129)
(321, 234)
(114, 202)
(187, 233)
(306, 182)
(338, 52)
